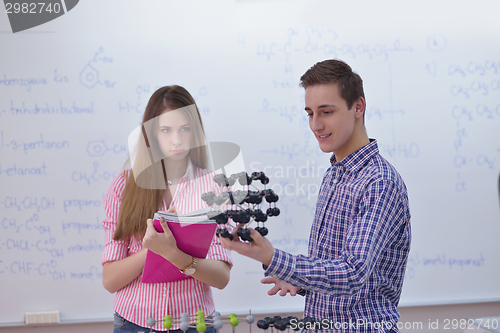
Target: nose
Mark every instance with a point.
(315, 123)
(176, 138)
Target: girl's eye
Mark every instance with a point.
(165, 130)
(186, 129)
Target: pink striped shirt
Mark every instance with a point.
(139, 301)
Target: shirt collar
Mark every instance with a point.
(357, 159)
(189, 171)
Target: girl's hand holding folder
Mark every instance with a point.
(164, 243)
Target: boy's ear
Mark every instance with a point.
(359, 107)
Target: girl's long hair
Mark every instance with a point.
(146, 182)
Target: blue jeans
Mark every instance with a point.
(122, 325)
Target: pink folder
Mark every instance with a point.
(192, 238)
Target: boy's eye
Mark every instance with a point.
(309, 114)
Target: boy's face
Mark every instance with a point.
(332, 123)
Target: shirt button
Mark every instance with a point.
(335, 181)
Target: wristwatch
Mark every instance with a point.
(191, 268)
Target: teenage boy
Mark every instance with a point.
(360, 236)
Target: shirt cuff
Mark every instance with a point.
(114, 251)
(282, 265)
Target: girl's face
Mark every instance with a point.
(174, 135)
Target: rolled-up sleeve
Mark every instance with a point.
(113, 250)
(218, 252)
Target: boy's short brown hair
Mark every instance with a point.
(335, 71)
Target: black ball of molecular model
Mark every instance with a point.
(240, 207)
(282, 324)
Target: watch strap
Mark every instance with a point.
(191, 265)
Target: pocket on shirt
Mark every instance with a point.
(118, 321)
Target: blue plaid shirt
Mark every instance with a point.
(358, 247)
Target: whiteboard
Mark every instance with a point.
(72, 90)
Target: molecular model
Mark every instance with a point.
(215, 320)
(239, 208)
(282, 324)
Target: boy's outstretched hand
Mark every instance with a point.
(283, 287)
